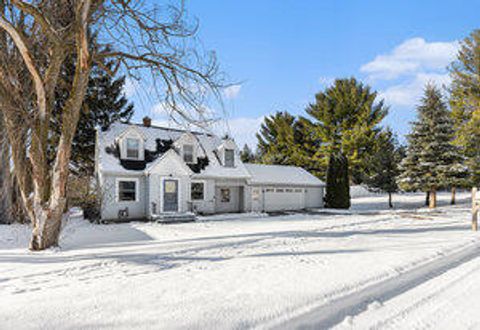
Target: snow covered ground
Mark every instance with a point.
(247, 271)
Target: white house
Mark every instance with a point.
(147, 172)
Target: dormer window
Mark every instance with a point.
(188, 153)
(229, 158)
(133, 148)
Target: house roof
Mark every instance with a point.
(109, 162)
(281, 175)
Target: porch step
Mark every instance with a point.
(175, 218)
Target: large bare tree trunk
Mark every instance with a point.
(433, 198)
(427, 198)
(48, 220)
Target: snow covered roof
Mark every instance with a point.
(109, 162)
(283, 175)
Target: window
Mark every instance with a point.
(269, 190)
(289, 190)
(279, 190)
(255, 194)
(127, 190)
(225, 195)
(298, 190)
(188, 153)
(197, 191)
(229, 158)
(133, 148)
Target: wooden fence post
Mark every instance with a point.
(475, 209)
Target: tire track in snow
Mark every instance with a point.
(423, 300)
(334, 312)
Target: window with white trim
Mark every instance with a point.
(133, 148)
(188, 153)
(197, 191)
(127, 190)
(229, 158)
(225, 195)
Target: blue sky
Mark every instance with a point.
(283, 52)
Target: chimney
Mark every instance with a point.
(147, 121)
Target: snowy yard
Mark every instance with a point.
(254, 271)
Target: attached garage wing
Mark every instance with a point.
(281, 188)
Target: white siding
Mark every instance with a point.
(314, 197)
(110, 206)
(234, 203)
(206, 206)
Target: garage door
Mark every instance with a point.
(281, 199)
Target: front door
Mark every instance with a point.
(170, 195)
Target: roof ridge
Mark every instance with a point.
(273, 165)
(168, 129)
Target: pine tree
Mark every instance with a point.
(338, 183)
(105, 103)
(384, 164)
(432, 160)
(465, 103)
(246, 155)
(347, 115)
(276, 139)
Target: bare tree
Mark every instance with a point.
(5, 177)
(38, 36)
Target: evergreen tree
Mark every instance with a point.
(346, 116)
(384, 164)
(246, 155)
(432, 160)
(285, 140)
(465, 103)
(276, 139)
(338, 183)
(104, 103)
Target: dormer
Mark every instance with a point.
(131, 144)
(188, 148)
(227, 152)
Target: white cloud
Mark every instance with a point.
(412, 56)
(410, 92)
(404, 72)
(232, 92)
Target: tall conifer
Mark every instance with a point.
(432, 160)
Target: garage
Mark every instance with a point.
(283, 198)
(282, 188)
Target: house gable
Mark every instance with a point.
(169, 164)
(131, 133)
(228, 144)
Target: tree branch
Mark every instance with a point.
(47, 27)
(27, 58)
